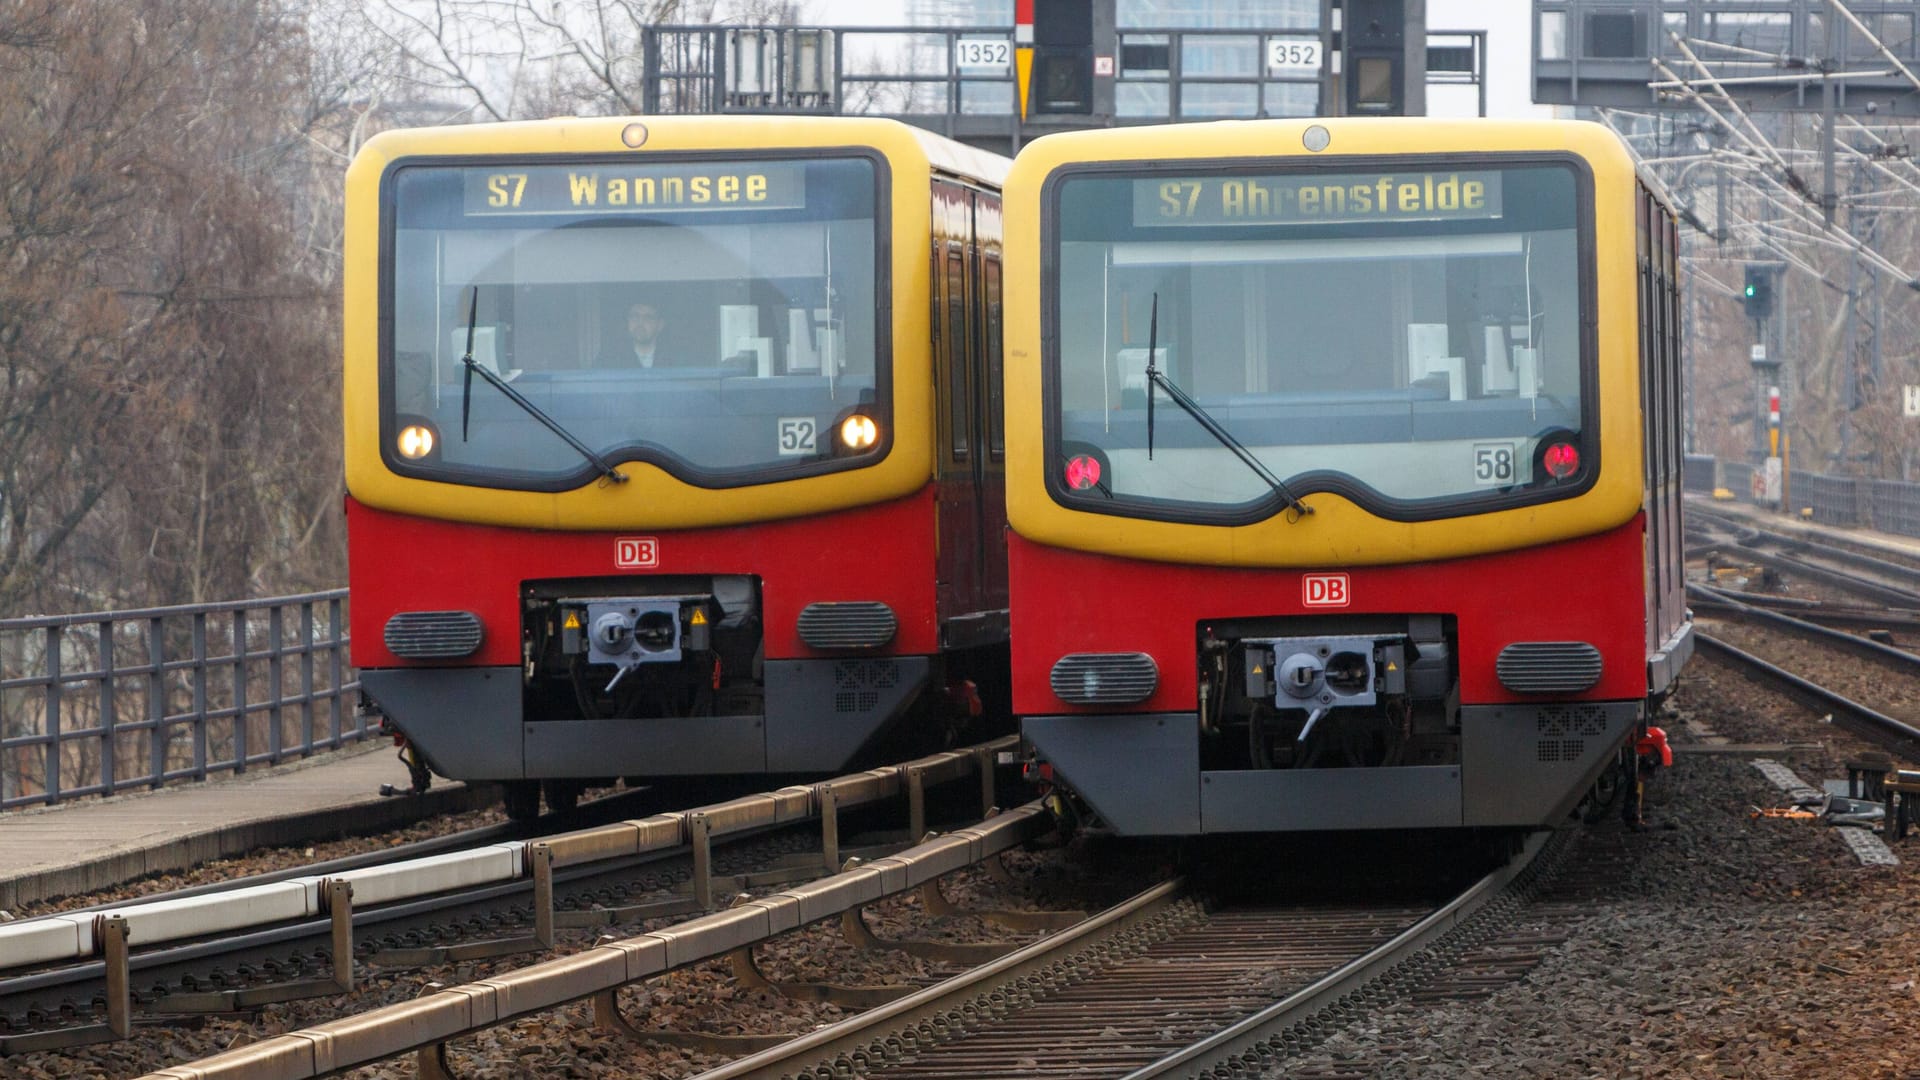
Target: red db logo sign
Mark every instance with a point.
(636, 553)
(1326, 590)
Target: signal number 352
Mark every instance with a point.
(1492, 463)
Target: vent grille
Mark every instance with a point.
(1559, 751)
(1548, 667)
(857, 684)
(1565, 729)
(433, 635)
(1105, 678)
(857, 624)
(1561, 721)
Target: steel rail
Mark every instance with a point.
(1248, 1035)
(165, 962)
(415, 849)
(1891, 595)
(587, 815)
(1895, 736)
(1837, 551)
(162, 920)
(310, 929)
(1856, 618)
(426, 1023)
(474, 876)
(858, 1034)
(1853, 644)
(1862, 551)
(1841, 579)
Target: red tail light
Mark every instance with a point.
(1083, 472)
(1562, 460)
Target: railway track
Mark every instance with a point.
(599, 811)
(237, 972)
(423, 1025)
(1894, 583)
(1874, 576)
(1839, 540)
(1890, 733)
(1801, 622)
(1883, 624)
(1164, 985)
(233, 950)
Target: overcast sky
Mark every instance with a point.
(1509, 57)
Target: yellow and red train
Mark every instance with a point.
(673, 445)
(1343, 469)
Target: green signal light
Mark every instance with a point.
(1750, 291)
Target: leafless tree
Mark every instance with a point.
(516, 59)
(168, 377)
(1841, 415)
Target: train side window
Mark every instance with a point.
(955, 347)
(996, 391)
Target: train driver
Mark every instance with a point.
(642, 348)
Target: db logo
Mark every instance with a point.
(636, 552)
(1326, 590)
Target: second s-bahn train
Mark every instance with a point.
(1343, 470)
(673, 446)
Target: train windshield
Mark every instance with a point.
(1408, 338)
(717, 317)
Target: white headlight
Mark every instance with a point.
(858, 432)
(416, 441)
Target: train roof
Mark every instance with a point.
(1363, 136)
(577, 134)
(958, 158)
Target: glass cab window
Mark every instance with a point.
(1408, 338)
(717, 317)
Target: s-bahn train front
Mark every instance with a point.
(1343, 472)
(639, 444)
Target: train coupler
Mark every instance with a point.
(1066, 819)
(419, 777)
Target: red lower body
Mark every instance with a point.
(403, 563)
(1592, 589)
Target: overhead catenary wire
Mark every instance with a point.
(1748, 134)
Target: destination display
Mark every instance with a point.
(639, 189)
(1316, 198)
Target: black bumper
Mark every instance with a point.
(469, 725)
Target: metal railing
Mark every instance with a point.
(927, 73)
(1700, 472)
(1890, 506)
(1169, 74)
(1886, 505)
(97, 703)
(876, 71)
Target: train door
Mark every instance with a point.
(960, 504)
(1660, 409)
(992, 433)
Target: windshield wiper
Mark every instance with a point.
(1156, 378)
(466, 401)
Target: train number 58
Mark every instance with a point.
(1493, 463)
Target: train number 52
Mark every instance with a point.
(796, 435)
